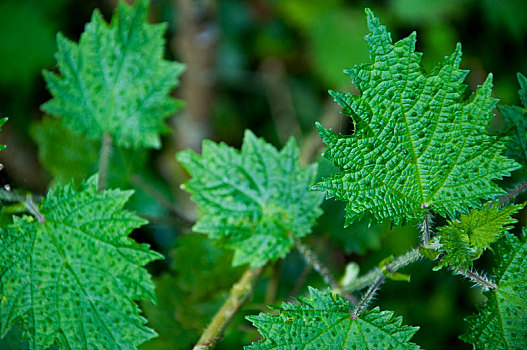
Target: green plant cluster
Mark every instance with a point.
(71, 275)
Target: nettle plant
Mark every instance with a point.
(70, 276)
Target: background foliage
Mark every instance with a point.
(264, 65)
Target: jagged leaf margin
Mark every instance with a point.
(72, 276)
(254, 201)
(501, 322)
(324, 321)
(115, 79)
(516, 119)
(417, 144)
(465, 239)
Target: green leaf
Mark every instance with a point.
(501, 322)
(465, 239)
(254, 201)
(72, 276)
(324, 322)
(68, 156)
(516, 119)
(115, 79)
(417, 143)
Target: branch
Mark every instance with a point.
(374, 275)
(368, 296)
(240, 294)
(311, 259)
(104, 160)
(516, 191)
(478, 279)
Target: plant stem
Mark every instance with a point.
(368, 296)
(104, 160)
(374, 275)
(311, 259)
(27, 201)
(240, 294)
(425, 227)
(516, 191)
(478, 279)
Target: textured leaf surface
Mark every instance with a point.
(516, 118)
(501, 322)
(115, 79)
(73, 275)
(254, 201)
(465, 239)
(323, 322)
(417, 143)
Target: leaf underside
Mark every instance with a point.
(254, 201)
(465, 239)
(323, 322)
(72, 277)
(115, 79)
(417, 143)
(501, 322)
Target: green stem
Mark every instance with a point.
(374, 275)
(240, 294)
(478, 279)
(311, 259)
(368, 296)
(104, 160)
(516, 191)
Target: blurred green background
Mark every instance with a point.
(264, 65)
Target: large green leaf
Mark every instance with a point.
(115, 79)
(72, 275)
(417, 143)
(254, 201)
(324, 321)
(501, 322)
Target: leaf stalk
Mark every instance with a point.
(104, 160)
(239, 295)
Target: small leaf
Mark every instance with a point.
(254, 201)
(501, 323)
(115, 79)
(464, 240)
(72, 277)
(324, 321)
(418, 143)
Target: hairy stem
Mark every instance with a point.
(240, 294)
(312, 260)
(426, 227)
(374, 275)
(104, 160)
(478, 279)
(516, 191)
(32, 208)
(27, 201)
(368, 296)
